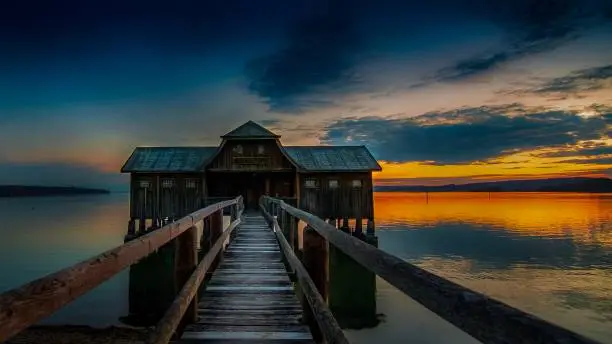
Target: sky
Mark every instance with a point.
(441, 91)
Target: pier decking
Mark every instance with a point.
(250, 297)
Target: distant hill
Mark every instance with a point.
(577, 184)
(30, 191)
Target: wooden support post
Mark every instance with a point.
(371, 228)
(233, 217)
(358, 227)
(216, 229)
(345, 225)
(292, 231)
(131, 231)
(205, 239)
(185, 264)
(352, 287)
(142, 225)
(314, 259)
(280, 220)
(285, 224)
(296, 237)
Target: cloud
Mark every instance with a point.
(466, 135)
(532, 27)
(594, 161)
(319, 53)
(583, 152)
(575, 84)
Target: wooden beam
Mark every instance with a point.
(171, 319)
(186, 262)
(484, 318)
(329, 327)
(314, 258)
(31, 302)
(216, 231)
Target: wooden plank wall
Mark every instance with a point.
(343, 201)
(157, 201)
(271, 155)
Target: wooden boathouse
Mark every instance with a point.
(333, 182)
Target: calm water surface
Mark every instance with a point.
(547, 253)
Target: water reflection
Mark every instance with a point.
(41, 235)
(550, 254)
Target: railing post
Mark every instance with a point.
(286, 224)
(358, 227)
(216, 229)
(205, 238)
(314, 259)
(296, 237)
(234, 211)
(185, 264)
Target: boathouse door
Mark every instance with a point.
(253, 188)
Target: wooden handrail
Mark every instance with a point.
(33, 301)
(171, 319)
(330, 329)
(484, 318)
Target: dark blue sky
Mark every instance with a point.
(83, 82)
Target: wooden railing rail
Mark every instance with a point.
(33, 301)
(327, 324)
(167, 326)
(484, 318)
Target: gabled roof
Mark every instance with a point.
(307, 158)
(168, 159)
(250, 129)
(333, 158)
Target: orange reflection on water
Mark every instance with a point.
(584, 217)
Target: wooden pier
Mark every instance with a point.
(250, 296)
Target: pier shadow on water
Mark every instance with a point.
(151, 288)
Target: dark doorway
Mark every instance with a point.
(250, 185)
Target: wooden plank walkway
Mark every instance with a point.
(250, 298)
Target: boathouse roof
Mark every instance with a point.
(250, 130)
(305, 158)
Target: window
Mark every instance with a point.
(356, 183)
(145, 184)
(167, 183)
(238, 149)
(260, 149)
(310, 183)
(333, 184)
(190, 183)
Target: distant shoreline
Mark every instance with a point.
(578, 184)
(13, 191)
(492, 191)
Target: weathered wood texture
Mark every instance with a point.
(249, 298)
(160, 195)
(181, 307)
(250, 155)
(327, 325)
(333, 195)
(486, 319)
(185, 263)
(25, 305)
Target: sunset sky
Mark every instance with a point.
(440, 91)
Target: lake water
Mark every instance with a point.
(546, 253)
